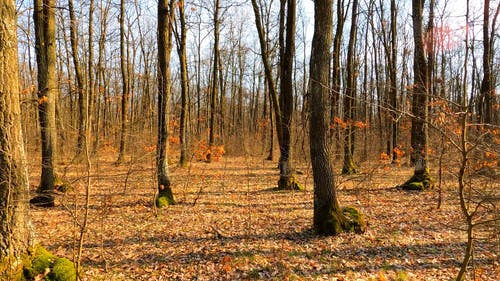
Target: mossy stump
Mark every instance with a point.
(421, 180)
(289, 183)
(43, 265)
(164, 199)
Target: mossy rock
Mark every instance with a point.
(355, 220)
(52, 268)
(163, 200)
(421, 180)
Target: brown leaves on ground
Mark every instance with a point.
(231, 225)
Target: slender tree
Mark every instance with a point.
(181, 51)
(16, 234)
(350, 96)
(165, 23)
(125, 84)
(329, 218)
(44, 19)
(215, 80)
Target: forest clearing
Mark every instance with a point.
(249, 140)
(229, 224)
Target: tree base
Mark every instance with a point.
(164, 199)
(42, 265)
(349, 169)
(43, 200)
(289, 183)
(350, 220)
(421, 180)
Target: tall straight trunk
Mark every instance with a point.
(80, 88)
(16, 234)
(181, 51)
(393, 97)
(125, 84)
(287, 53)
(350, 95)
(44, 18)
(487, 86)
(421, 179)
(215, 81)
(329, 218)
(335, 133)
(165, 22)
(90, 100)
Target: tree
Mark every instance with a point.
(181, 51)
(165, 22)
(82, 104)
(125, 84)
(287, 180)
(329, 218)
(421, 178)
(350, 96)
(16, 234)
(215, 80)
(44, 18)
(282, 104)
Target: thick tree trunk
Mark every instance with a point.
(165, 21)
(16, 235)
(329, 218)
(421, 179)
(44, 18)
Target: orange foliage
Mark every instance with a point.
(149, 148)
(174, 140)
(43, 99)
(384, 156)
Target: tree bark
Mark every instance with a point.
(350, 96)
(215, 81)
(16, 234)
(44, 18)
(125, 84)
(329, 218)
(165, 22)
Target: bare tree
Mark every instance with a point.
(329, 218)
(166, 14)
(44, 18)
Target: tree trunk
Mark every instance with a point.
(73, 28)
(421, 179)
(16, 234)
(181, 51)
(125, 84)
(44, 18)
(350, 96)
(165, 22)
(329, 218)
(287, 180)
(215, 81)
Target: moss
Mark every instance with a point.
(42, 262)
(289, 183)
(164, 199)
(349, 168)
(421, 180)
(62, 186)
(355, 220)
(62, 270)
(349, 220)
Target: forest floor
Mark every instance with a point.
(229, 224)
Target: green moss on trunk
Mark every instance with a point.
(164, 199)
(349, 220)
(289, 183)
(52, 268)
(349, 168)
(421, 180)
